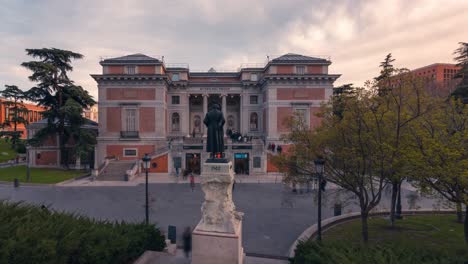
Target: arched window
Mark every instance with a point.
(175, 122)
(253, 122)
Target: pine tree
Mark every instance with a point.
(383, 80)
(63, 99)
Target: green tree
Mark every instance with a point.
(350, 146)
(340, 94)
(461, 58)
(387, 70)
(17, 112)
(63, 99)
(440, 151)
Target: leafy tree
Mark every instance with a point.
(351, 148)
(440, 151)
(462, 61)
(63, 99)
(17, 112)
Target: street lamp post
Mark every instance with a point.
(319, 164)
(146, 164)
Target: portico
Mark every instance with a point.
(148, 106)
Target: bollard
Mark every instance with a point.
(171, 234)
(16, 182)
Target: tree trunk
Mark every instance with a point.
(398, 202)
(365, 227)
(459, 213)
(393, 203)
(466, 224)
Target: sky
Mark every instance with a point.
(357, 35)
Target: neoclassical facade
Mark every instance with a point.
(148, 106)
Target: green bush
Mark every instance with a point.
(20, 147)
(29, 234)
(312, 252)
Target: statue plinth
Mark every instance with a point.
(218, 236)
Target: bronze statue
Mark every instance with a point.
(214, 121)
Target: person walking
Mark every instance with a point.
(192, 181)
(187, 237)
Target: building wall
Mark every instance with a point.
(33, 115)
(280, 91)
(46, 158)
(118, 151)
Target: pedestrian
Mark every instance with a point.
(187, 237)
(233, 185)
(273, 147)
(192, 181)
(279, 149)
(177, 172)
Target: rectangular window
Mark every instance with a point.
(253, 77)
(300, 69)
(175, 77)
(130, 120)
(253, 99)
(130, 152)
(257, 162)
(303, 115)
(175, 100)
(131, 69)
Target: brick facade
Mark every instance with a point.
(151, 106)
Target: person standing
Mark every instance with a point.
(187, 237)
(192, 181)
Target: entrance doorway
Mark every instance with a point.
(241, 163)
(192, 162)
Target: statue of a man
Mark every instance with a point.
(214, 121)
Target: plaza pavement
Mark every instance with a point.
(274, 216)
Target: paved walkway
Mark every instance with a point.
(274, 216)
(180, 258)
(165, 178)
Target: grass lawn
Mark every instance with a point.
(431, 232)
(6, 152)
(38, 175)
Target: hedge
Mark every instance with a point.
(30, 234)
(312, 252)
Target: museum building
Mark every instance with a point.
(149, 106)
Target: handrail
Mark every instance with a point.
(129, 174)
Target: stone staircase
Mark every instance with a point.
(115, 171)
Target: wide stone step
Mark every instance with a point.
(115, 171)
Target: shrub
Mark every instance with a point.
(312, 252)
(29, 234)
(20, 147)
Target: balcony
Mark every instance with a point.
(129, 134)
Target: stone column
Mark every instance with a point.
(186, 117)
(205, 110)
(241, 114)
(224, 109)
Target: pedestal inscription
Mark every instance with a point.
(218, 236)
(218, 210)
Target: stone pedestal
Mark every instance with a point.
(218, 236)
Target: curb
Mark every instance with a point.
(311, 231)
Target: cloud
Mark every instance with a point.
(223, 34)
